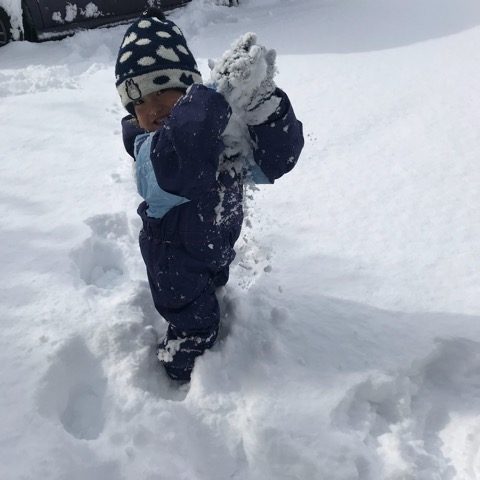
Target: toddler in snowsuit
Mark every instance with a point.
(190, 179)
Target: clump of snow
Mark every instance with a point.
(244, 76)
(13, 8)
(71, 12)
(57, 17)
(91, 11)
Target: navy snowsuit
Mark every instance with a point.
(187, 252)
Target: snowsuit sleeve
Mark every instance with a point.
(279, 141)
(130, 131)
(185, 153)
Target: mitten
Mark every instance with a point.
(244, 76)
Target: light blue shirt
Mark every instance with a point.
(159, 201)
(257, 175)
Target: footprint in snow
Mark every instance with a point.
(73, 391)
(99, 260)
(420, 424)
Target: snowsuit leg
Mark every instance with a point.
(183, 291)
(192, 328)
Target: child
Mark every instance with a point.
(191, 183)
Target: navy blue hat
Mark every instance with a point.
(153, 56)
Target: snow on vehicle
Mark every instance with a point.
(48, 19)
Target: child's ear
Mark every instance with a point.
(131, 109)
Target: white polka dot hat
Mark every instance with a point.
(153, 56)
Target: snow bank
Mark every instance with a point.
(330, 26)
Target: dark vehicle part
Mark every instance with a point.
(51, 19)
(4, 28)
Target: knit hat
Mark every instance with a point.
(153, 56)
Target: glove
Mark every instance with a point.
(244, 76)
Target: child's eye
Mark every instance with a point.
(138, 102)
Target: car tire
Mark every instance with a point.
(5, 33)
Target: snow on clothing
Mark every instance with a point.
(188, 250)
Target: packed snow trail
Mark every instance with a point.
(351, 333)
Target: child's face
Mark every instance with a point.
(152, 109)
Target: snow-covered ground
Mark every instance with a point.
(351, 340)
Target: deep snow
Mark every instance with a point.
(351, 339)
